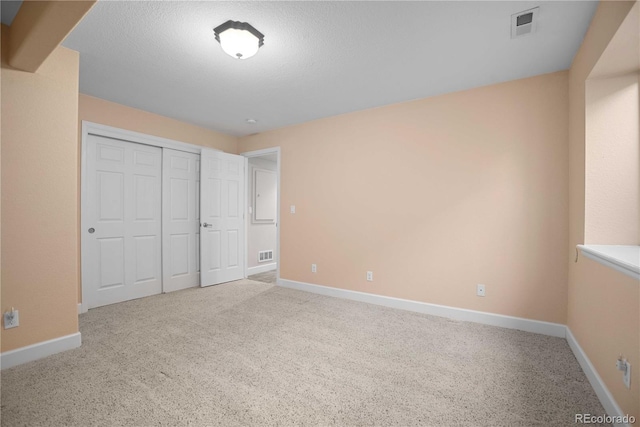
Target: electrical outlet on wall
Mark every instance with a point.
(480, 290)
(11, 319)
(314, 268)
(623, 365)
(626, 378)
(369, 276)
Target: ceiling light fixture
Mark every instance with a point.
(239, 39)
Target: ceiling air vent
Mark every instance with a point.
(523, 23)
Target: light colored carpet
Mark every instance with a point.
(248, 353)
(266, 277)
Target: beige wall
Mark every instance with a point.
(109, 113)
(3, 45)
(605, 318)
(612, 173)
(603, 303)
(434, 196)
(39, 196)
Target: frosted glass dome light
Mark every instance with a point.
(239, 39)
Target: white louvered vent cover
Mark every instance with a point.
(525, 22)
(265, 256)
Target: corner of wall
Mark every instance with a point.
(598, 297)
(39, 113)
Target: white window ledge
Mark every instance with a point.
(625, 259)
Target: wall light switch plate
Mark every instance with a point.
(293, 209)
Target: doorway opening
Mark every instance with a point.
(263, 215)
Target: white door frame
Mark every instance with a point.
(260, 153)
(90, 128)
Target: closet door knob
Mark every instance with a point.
(92, 230)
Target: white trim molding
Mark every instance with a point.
(82, 308)
(16, 357)
(622, 258)
(606, 398)
(262, 268)
(90, 128)
(259, 153)
(528, 325)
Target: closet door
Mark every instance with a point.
(181, 220)
(123, 212)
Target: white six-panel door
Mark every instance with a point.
(180, 220)
(123, 218)
(222, 202)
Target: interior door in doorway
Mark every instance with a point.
(180, 220)
(222, 205)
(123, 218)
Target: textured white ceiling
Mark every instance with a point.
(319, 58)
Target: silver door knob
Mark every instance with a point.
(205, 225)
(92, 230)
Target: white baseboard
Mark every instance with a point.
(535, 326)
(528, 325)
(262, 268)
(607, 400)
(82, 308)
(16, 357)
